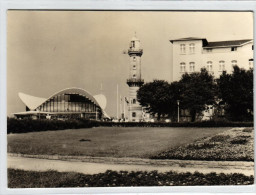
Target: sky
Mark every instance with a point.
(48, 51)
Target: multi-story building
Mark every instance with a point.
(191, 54)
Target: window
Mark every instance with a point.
(192, 66)
(208, 50)
(234, 63)
(133, 43)
(134, 76)
(182, 48)
(250, 63)
(182, 67)
(134, 101)
(134, 67)
(209, 66)
(233, 48)
(252, 47)
(192, 48)
(134, 114)
(134, 58)
(221, 65)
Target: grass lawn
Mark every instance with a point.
(50, 179)
(233, 145)
(107, 141)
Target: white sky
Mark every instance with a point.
(52, 50)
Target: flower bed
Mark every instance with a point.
(50, 179)
(233, 145)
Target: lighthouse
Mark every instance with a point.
(134, 81)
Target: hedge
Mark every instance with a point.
(29, 125)
(181, 124)
(51, 179)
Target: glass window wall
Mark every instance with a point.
(68, 103)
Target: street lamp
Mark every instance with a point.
(178, 103)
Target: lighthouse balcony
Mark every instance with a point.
(134, 81)
(135, 51)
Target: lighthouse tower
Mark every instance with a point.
(134, 81)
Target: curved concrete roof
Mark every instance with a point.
(33, 102)
(78, 91)
(101, 99)
(30, 101)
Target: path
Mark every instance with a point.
(94, 165)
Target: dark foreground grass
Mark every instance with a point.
(51, 179)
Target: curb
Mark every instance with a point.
(241, 165)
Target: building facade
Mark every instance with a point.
(191, 54)
(134, 81)
(65, 104)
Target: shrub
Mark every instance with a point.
(29, 125)
(175, 124)
(248, 130)
(200, 146)
(220, 138)
(239, 141)
(32, 179)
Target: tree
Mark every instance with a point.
(196, 91)
(155, 97)
(236, 91)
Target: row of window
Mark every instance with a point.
(183, 48)
(209, 65)
(183, 66)
(68, 103)
(52, 106)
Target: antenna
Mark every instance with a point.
(101, 89)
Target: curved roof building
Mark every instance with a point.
(67, 103)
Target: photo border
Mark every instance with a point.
(129, 5)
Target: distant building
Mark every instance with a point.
(191, 54)
(134, 81)
(65, 104)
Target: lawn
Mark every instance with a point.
(50, 179)
(107, 141)
(235, 144)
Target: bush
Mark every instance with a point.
(32, 179)
(199, 146)
(239, 141)
(220, 138)
(29, 125)
(248, 130)
(175, 124)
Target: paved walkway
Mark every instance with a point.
(94, 165)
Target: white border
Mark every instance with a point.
(104, 5)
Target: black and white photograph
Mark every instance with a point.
(128, 98)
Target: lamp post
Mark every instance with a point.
(178, 103)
